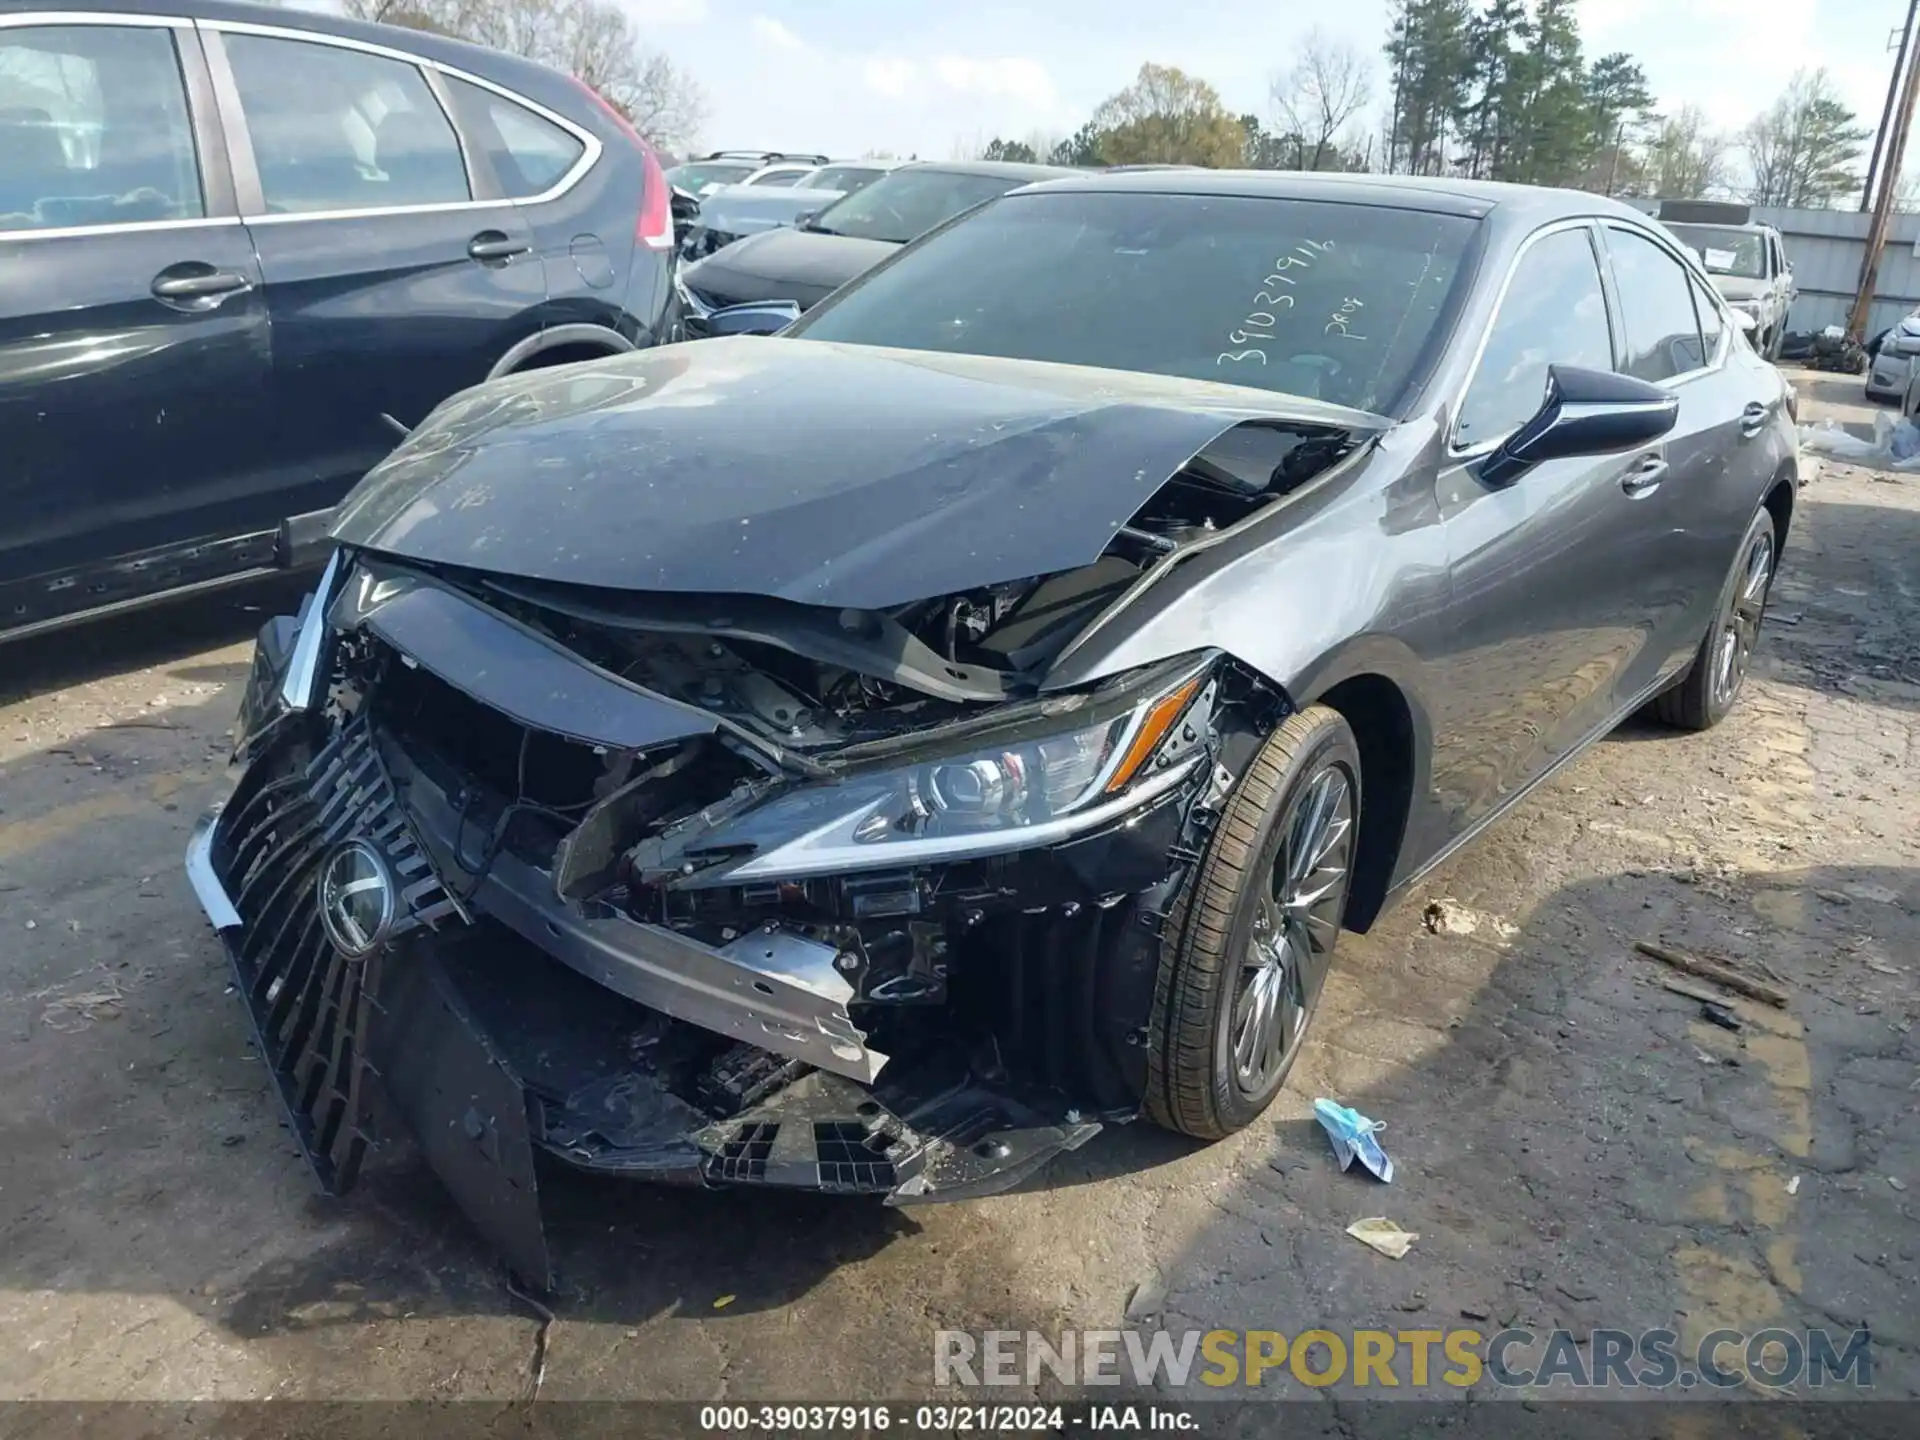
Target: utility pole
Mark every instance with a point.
(1886, 112)
(1883, 207)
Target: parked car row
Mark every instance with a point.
(733, 212)
(804, 263)
(705, 174)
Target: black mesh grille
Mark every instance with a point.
(309, 1004)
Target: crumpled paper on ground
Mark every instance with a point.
(1895, 444)
(1383, 1235)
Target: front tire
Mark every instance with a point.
(1705, 694)
(1252, 938)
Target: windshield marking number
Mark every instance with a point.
(1260, 324)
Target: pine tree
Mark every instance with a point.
(1554, 117)
(1486, 119)
(1617, 105)
(1427, 54)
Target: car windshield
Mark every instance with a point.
(906, 203)
(778, 179)
(1725, 250)
(1340, 302)
(694, 177)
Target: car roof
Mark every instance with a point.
(1003, 169)
(539, 82)
(1443, 194)
(1757, 226)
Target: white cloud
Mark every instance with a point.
(772, 32)
(1013, 77)
(666, 12)
(889, 75)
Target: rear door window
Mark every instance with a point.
(1663, 333)
(94, 128)
(529, 153)
(1554, 313)
(338, 129)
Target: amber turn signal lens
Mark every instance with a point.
(1160, 719)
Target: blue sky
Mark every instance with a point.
(913, 76)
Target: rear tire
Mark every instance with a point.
(1252, 936)
(1703, 696)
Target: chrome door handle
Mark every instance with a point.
(1754, 419)
(201, 291)
(1645, 477)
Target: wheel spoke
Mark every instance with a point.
(1335, 833)
(1316, 888)
(1247, 1028)
(1279, 1032)
(1759, 567)
(1314, 815)
(1322, 930)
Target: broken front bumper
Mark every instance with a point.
(499, 1021)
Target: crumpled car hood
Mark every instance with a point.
(837, 475)
(1738, 288)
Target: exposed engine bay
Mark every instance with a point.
(669, 872)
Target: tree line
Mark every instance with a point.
(1482, 89)
(1485, 89)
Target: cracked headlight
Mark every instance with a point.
(689, 301)
(1043, 782)
(288, 657)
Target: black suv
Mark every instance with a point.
(241, 248)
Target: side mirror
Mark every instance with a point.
(1587, 412)
(756, 317)
(1746, 322)
(804, 218)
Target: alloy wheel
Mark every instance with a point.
(1294, 928)
(1740, 628)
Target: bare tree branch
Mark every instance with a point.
(594, 40)
(1314, 100)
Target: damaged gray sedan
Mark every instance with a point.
(872, 758)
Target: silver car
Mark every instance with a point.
(1748, 266)
(735, 211)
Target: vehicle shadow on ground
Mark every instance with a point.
(1576, 1146)
(1542, 1092)
(1579, 1145)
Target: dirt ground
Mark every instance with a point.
(1576, 1145)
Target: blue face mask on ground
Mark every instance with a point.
(1351, 1134)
